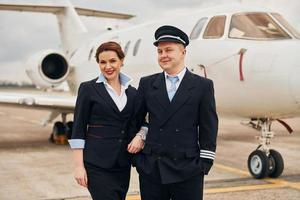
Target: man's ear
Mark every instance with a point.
(182, 47)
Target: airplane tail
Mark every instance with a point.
(71, 28)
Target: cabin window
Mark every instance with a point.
(198, 28)
(215, 28)
(255, 26)
(91, 53)
(136, 47)
(286, 25)
(126, 47)
(73, 53)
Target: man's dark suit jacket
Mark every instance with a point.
(98, 121)
(177, 130)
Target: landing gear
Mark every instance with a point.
(265, 162)
(277, 164)
(258, 164)
(69, 128)
(61, 131)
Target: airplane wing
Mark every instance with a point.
(57, 9)
(42, 101)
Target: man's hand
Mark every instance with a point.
(136, 145)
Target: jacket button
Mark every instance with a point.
(158, 157)
(122, 131)
(120, 140)
(160, 129)
(176, 130)
(174, 158)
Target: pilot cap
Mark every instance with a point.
(170, 34)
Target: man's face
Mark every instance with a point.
(170, 56)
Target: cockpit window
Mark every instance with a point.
(215, 28)
(255, 26)
(286, 25)
(198, 28)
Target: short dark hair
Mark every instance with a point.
(110, 46)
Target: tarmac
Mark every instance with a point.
(33, 168)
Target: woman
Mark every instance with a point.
(100, 134)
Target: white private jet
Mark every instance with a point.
(251, 54)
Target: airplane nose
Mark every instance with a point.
(288, 65)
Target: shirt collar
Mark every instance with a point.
(180, 75)
(125, 80)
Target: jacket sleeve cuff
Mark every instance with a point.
(143, 132)
(207, 159)
(207, 154)
(77, 143)
(145, 129)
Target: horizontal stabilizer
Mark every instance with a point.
(106, 14)
(58, 9)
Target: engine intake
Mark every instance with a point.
(54, 66)
(47, 69)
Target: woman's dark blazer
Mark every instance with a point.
(98, 121)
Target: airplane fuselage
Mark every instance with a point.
(269, 86)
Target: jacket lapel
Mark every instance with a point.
(160, 91)
(100, 88)
(130, 98)
(181, 96)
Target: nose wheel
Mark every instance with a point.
(258, 164)
(265, 162)
(261, 165)
(276, 163)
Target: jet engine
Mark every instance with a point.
(47, 69)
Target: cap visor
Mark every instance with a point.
(167, 40)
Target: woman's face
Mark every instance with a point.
(110, 64)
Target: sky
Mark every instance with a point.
(23, 34)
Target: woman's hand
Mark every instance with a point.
(136, 145)
(80, 176)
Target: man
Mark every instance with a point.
(181, 139)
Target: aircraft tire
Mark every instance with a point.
(51, 138)
(69, 128)
(59, 133)
(277, 162)
(258, 164)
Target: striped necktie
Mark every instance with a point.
(172, 89)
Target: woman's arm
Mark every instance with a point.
(77, 141)
(138, 127)
(79, 173)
